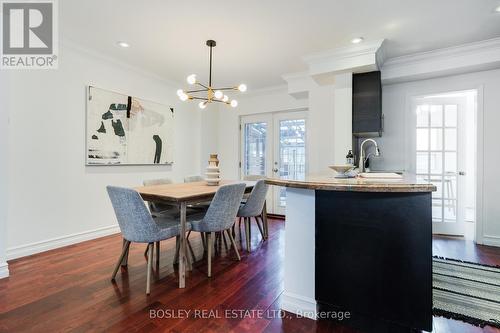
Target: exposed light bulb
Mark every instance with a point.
(184, 97)
(191, 79)
(202, 105)
(218, 94)
(180, 92)
(225, 98)
(234, 103)
(242, 87)
(357, 40)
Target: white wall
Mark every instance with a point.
(4, 119)
(52, 194)
(393, 146)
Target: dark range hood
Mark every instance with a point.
(367, 117)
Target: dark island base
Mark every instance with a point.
(374, 258)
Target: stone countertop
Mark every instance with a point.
(408, 183)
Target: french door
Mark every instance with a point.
(273, 145)
(439, 157)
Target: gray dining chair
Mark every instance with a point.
(200, 206)
(254, 207)
(138, 226)
(220, 217)
(193, 178)
(158, 209)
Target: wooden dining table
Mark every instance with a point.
(184, 194)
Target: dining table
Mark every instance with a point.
(182, 195)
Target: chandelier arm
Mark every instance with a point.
(204, 86)
(199, 98)
(219, 101)
(227, 88)
(195, 91)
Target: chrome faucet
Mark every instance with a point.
(362, 159)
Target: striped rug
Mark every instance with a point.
(466, 291)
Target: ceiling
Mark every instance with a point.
(259, 40)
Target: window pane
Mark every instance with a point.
(436, 161)
(450, 115)
(436, 115)
(450, 139)
(423, 116)
(422, 139)
(437, 213)
(450, 210)
(436, 139)
(450, 162)
(422, 162)
(255, 149)
(292, 149)
(450, 187)
(439, 187)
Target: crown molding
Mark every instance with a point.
(299, 84)
(264, 91)
(476, 56)
(361, 57)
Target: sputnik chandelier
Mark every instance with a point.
(212, 94)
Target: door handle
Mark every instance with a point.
(275, 170)
(462, 173)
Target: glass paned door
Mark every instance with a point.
(254, 148)
(290, 153)
(437, 147)
(273, 145)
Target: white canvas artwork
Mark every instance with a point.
(125, 130)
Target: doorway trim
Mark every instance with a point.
(479, 237)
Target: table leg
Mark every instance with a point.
(182, 240)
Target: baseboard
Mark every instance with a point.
(300, 305)
(54, 243)
(4, 270)
(491, 240)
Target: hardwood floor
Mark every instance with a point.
(69, 289)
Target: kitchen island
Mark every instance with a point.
(359, 246)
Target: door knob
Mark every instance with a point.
(275, 170)
(461, 173)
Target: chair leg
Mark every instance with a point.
(209, 253)
(223, 235)
(157, 254)
(231, 238)
(260, 228)
(177, 247)
(146, 251)
(125, 257)
(247, 232)
(203, 241)
(122, 255)
(150, 262)
(264, 219)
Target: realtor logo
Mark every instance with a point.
(29, 34)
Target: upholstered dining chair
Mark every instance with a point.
(253, 207)
(157, 209)
(200, 206)
(220, 217)
(139, 226)
(193, 178)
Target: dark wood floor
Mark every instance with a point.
(68, 289)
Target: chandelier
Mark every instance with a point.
(207, 93)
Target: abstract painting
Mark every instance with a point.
(123, 130)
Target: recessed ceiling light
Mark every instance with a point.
(357, 40)
(123, 44)
(497, 10)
